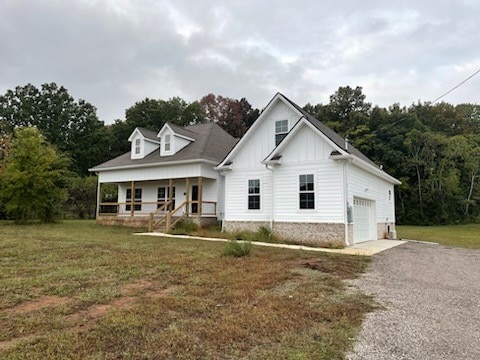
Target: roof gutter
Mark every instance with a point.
(362, 164)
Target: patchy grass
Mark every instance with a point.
(467, 236)
(77, 290)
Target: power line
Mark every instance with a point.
(463, 82)
(433, 102)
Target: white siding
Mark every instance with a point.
(179, 143)
(149, 147)
(307, 153)
(236, 196)
(158, 172)
(262, 141)
(362, 184)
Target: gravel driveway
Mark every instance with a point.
(431, 304)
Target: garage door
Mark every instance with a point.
(363, 221)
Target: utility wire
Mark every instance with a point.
(433, 102)
(463, 82)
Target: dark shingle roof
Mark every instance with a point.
(149, 134)
(211, 143)
(332, 135)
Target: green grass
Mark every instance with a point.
(77, 290)
(467, 236)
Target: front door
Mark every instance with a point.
(194, 209)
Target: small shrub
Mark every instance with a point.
(266, 235)
(184, 227)
(243, 235)
(237, 249)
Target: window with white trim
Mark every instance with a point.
(281, 130)
(163, 197)
(137, 146)
(167, 142)
(254, 194)
(138, 199)
(306, 192)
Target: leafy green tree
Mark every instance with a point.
(71, 126)
(82, 197)
(32, 178)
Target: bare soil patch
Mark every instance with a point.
(35, 305)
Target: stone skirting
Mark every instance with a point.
(382, 229)
(312, 234)
(142, 221)
(129, 221)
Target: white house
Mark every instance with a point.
(289, 172)
(293, 174)
(166, 176)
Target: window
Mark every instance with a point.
(138, 199)
(137, 146)
(306, 192)
(281, 130)
(389, 195)
(167, 142)
(162, 196)
(254, 194)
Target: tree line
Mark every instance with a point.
(434, 149)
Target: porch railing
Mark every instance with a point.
(161, 214)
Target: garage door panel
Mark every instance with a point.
(363, 216)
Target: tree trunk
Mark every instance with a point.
(472, 183)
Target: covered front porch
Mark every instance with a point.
(158, 204)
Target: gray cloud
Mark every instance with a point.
(113, 53)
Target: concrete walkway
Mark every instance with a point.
(367, 248)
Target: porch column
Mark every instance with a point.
(99, 199)
(170, 193)
(187, 195)
(132, 199)
(200, 195)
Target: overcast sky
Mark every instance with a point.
(113, 53)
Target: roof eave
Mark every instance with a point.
(366, 166)
(165, 163)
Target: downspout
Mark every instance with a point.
(273, 195)
(345, 200)
(345, 192)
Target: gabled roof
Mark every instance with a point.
(329, 133)
(178, 130)
(332, 135)
(212, 143)
(148, 134)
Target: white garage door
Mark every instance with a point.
(363, 221)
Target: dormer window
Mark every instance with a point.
(137, 146)
(167, 142)
(281, 130)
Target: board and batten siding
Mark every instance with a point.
(262, 141)
(157, 172)
(308, 153)
(364, 185)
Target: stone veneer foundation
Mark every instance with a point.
(142, 221)
(313, 234)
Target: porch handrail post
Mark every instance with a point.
(150, 222)
(170, 193)
(168, 221)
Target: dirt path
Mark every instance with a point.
(431, 299)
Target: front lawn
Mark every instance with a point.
(77, 290)
(467, 236)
